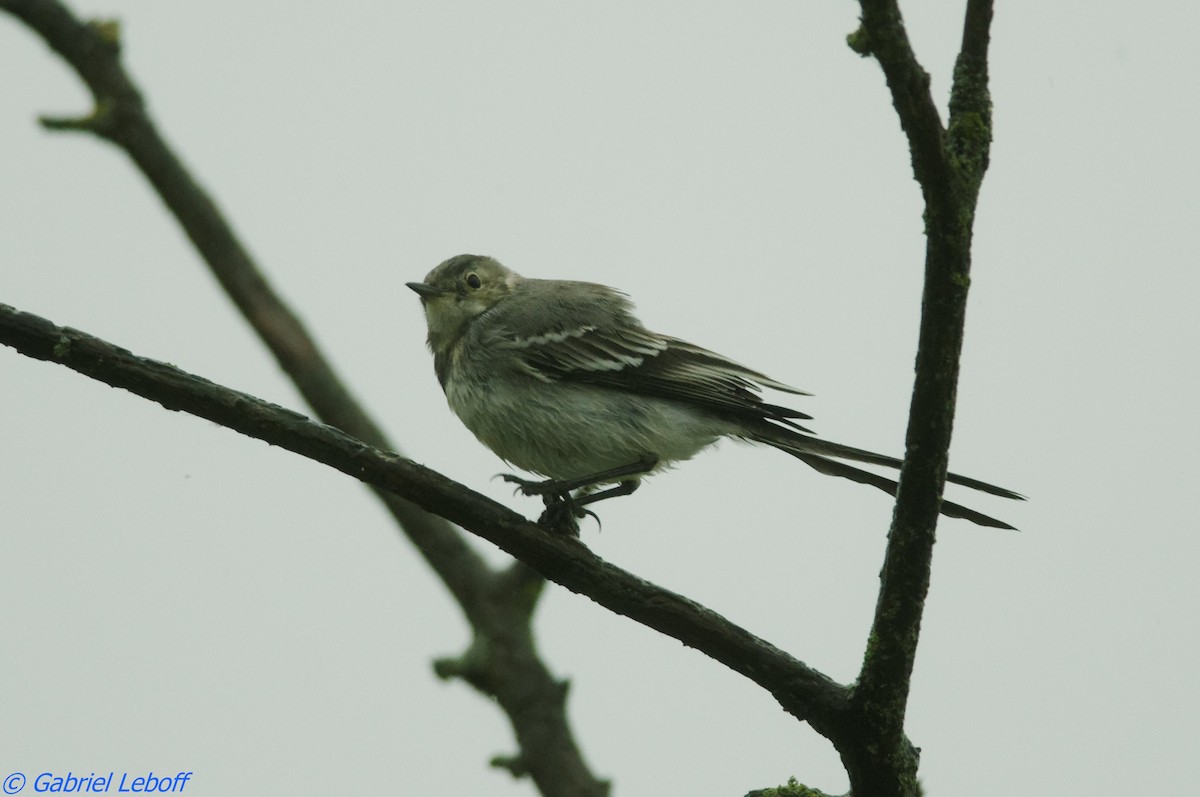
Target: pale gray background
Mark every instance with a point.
(176, 596)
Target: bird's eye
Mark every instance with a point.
(473, 281)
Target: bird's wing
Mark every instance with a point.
(615, 351)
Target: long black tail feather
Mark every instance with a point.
(817, 453)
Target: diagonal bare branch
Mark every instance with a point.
(515, 675)
(804, 692)
(120, 116)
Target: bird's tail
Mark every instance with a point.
(824, 457)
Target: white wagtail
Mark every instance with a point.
(560, 379)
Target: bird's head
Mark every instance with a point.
(460, 290)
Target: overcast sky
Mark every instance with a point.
(174, 596)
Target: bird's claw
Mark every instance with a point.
(528, 486)
(562, 514)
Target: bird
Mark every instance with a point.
(560, 379)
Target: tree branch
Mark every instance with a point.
(802, 691)
(970, 131)
(948, 165)
(515, 675)
(883, 35)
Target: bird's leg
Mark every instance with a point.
(562, 511)
(562, 488)
(562, 508)
(620, 488)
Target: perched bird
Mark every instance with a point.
(560, 379)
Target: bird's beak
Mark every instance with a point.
(425, 290)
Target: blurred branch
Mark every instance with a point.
(948, 163)
(516, 676)
(801, 690)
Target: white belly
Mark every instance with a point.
(565, 431)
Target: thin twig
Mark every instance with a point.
(883, 36)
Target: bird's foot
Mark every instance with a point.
(562, 515)
(547, 488)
